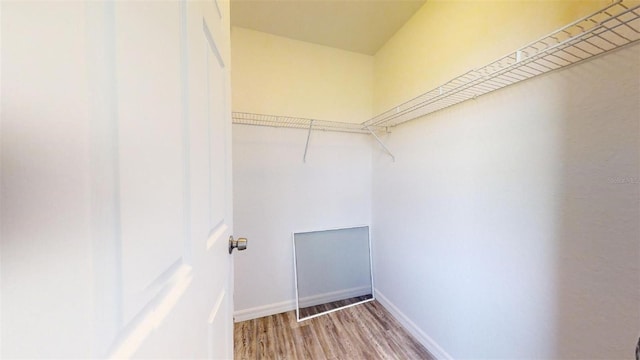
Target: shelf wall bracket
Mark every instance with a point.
(306, 146)
(386, 149)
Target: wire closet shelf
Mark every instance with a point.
(612, 27)
(297, 123)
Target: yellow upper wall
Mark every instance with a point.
(280, 76)
(447, 38)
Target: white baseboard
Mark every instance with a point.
(264, 310)
(284, 306)
(433, 347)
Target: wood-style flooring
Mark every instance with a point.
(364, 331)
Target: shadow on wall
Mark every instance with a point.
(598, 252)
(521, 212)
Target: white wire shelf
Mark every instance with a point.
(298, 123)
(612, 27)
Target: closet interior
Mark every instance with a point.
(478, 193)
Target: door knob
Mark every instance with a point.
(240, 244)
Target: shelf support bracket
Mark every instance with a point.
(306, 146)
(386, 149)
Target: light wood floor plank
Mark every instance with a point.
(365, 331)
(245, 335)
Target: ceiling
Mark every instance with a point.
(361, 26)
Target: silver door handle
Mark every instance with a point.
(240, 244)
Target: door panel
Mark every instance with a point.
(124, 122)
(151, 155)
(216, 88)
(220, 324)
(45, 258)
(185, 302)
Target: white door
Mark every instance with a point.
(116, 187)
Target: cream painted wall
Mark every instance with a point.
(279, 76)
(445, 39)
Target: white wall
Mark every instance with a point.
(275, 194)
(513, 218)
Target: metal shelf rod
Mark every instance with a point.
(306, 146)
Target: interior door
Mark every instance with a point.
(116, 175)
